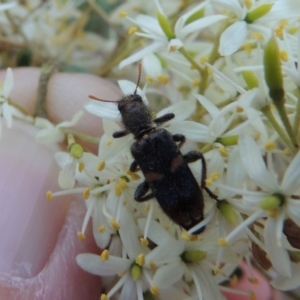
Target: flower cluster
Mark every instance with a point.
(230, 73)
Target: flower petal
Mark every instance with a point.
(291, 179)
(288, 283)
(255, 165)
(104, 110)
(127, 87)
(140, 54)
(168, 275)
(200, 24)
(233, 38)
(92, 263)
(278, 255)
(8, 82)
(182, 110)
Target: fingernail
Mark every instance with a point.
(29, 224)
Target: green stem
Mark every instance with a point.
(81, 136)
(269, 115)
(206, 148)
(191, 60)
(286, 122)
(297, 116)
(19, 107)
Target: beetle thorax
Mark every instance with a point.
(136, 116)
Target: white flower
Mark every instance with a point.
(160, 42)
(236, 34)
(50, 133)
(286, 207)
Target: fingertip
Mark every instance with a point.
(68, 93)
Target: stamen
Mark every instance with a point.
(49, 196)
(105, 255)
(104, 297)
(81, 167)
(86, 194)
(148, 221)
(140, 260)
(102, 229)
(122, 15)
(115, 225)
(101, 166)
(132, 30)
(244, 225)
(81, 236)
(155, 290)
(144, 242)
(248, 49)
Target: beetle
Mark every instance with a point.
(157, 153)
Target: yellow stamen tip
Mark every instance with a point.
(248, 49)
(217, 271)
(81, 167)
(115, 225)
(223, 152)
(150, 79)
(109, 143)
(273, 213)
(185, 236)
(144, 242)
(153, 265)
(258, 36)
(248, 3)
(239, 110)
(140, 260)
(234, 281)
(122, 15)
(163, 79)
(132, 30)
(104, 297)
(204, 59)
(270, 146)
(223, 242)
(102, 229)
(196, 83)
(81, 236)
(147, 207)
(86, 194)
(104, 255)
(254, 280)
(155, 291)
(49, 196)
(284, 56)
(252, 296)
(101, 166)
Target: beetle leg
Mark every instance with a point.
(119, 134)
(164, 118)
(140, 192)
(193, 156)
(179, 138)
(134, 166)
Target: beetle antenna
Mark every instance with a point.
(102, 100)
(138, 81)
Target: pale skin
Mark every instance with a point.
(39, 241)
